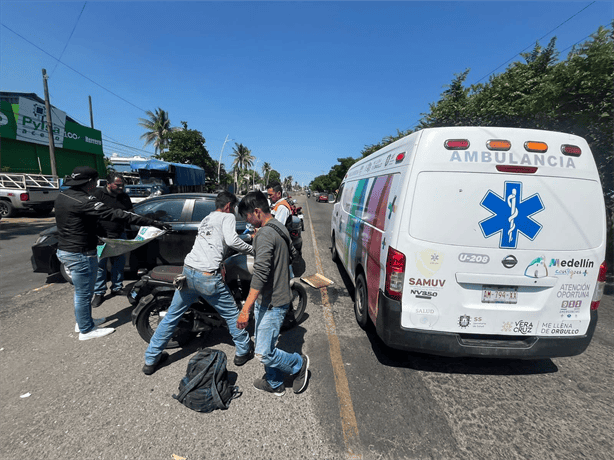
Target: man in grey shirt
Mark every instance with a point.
(202, 268)
(270, 295)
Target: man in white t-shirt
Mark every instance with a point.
(202, 268)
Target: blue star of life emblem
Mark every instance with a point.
(511, 215)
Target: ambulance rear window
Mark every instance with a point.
(507, 211)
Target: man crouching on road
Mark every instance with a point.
(202, 268)
(271, 295)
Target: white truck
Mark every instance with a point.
(20, 191)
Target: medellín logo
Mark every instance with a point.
(511, 215)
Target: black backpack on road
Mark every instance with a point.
(205, 386)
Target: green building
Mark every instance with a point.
(24, 139)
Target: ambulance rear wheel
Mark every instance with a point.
(333, 249)
(361, 303)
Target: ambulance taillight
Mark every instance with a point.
(498, 144)
(571, 150)
(534, 146)
(600, 286)
(456, 144)
(395, 271)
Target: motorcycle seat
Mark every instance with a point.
(166, 272)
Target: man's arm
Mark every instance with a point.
(229, 230)
(93, 207)
(243, 319)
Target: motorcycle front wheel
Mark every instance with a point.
(297, 306)
(150, 316)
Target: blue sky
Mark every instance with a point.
(298, 83)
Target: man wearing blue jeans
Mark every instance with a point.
(202, 268)
(270, 295)
(114, 197)
(77, 214)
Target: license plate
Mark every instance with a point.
(499, 294)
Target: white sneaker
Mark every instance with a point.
(96, 333)
(97, 322)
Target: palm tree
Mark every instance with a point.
(158, 127)
(243, 160)
(266, 169)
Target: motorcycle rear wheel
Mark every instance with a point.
(151, 315)
(297, 306)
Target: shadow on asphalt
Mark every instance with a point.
(12, 230)
(447, 365)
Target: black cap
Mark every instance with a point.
(81, 175)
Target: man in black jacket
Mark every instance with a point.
(77, 214)
(114, 197)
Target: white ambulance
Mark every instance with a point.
(473, 241)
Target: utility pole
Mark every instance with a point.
(91, 113)
(219, 165)
(54, 171)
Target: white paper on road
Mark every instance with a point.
(115, 247)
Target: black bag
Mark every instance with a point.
(205, 386)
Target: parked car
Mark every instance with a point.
(322, 198)
(183, 211)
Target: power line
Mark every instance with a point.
(68, 41)
(74, 70)
(567, 20)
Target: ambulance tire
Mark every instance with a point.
(333, 250)
(361, 302)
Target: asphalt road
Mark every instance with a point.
(90, 399)
(17, 235)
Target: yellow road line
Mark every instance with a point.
(346, 408)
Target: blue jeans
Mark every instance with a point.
(83, 268)
(276, 362)
(213, 289)
(117, 273)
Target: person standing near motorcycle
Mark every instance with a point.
(203, 277)
(270, 295)
(114, 197)
(77, 214)
(281, 209)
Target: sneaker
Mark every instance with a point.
(122, 291)
(301, 377)
(97, 300)
(97, 322)
(150, 369)
(242, 359)
(263, 385)
(96, 333)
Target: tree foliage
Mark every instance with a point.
(158, 129)
(187, 146)
(243, 160)
(331, 181)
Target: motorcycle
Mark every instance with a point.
(153, 294)
(297, 211)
